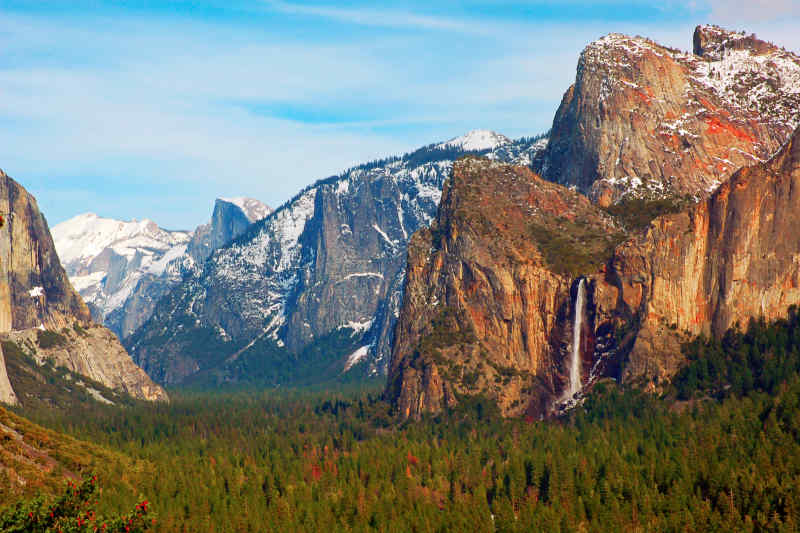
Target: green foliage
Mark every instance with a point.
(760, 359)
(573, 247)
(73, 512)
(267, 364)
(446, 329)
(637, 213)
(80, 330)
(300, 460)
(49, 339)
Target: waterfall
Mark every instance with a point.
(577, 327)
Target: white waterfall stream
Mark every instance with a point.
(577, 327)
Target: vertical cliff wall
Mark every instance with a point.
(487, 304)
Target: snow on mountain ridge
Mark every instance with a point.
(85, 236)
(477, 140)
(332, 256)
(253, 209)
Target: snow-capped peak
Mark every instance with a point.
(84, 236)
(477, 140)
(253, 209)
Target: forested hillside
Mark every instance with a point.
(703, 456)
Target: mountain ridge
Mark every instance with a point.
(302, 266)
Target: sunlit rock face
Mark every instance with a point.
(489, 299)
(646, 121)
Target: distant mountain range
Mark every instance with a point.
(121, 269)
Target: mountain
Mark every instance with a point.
(506, 293)
(646, 121)
(38, 303)
(230, 218)
(123, 268)
(487, 293)
(527, 293)
(315, 287)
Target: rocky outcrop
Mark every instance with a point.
(487, 307)
(7, 394)
(94, 352)
(644, 120)
(230, 218)
(731, 258)
(34, 289)
(36, 296)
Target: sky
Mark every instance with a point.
(153, 109)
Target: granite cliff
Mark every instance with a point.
(490, 299)
(730, 258)
(487, 305)
(646, 121)
(36, 296)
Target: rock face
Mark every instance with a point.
(34, 289)
(7, 394)
(122, 269)
(643, 120)
(489, 300)
(733, 257)
(487, 304)
(94, 352)
(35, 293)
(230, 218)
(330, 262)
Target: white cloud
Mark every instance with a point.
(384, 18)
(165, 102)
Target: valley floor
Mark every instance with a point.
(312, 461)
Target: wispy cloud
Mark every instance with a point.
(152, 114)
(385, 18)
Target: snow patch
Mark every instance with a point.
(355, 357)
(476, 141)
(253, 209)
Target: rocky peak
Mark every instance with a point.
(230, 218)
(253, 209)
(647, 121)
(712, 42)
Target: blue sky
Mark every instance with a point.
(153, 109)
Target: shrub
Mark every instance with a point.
(73, 512)
(49, 339)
